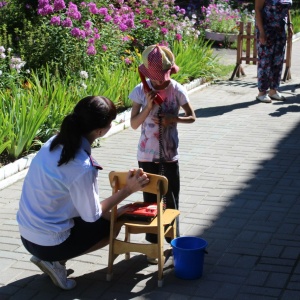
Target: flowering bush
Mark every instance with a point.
(221, 17)
(68, 36)
(11, 68)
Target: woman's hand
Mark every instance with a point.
(136, 180)
(262, 38)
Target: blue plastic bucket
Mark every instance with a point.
(188, 253)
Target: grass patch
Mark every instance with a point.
(224, 71)
(295, 15)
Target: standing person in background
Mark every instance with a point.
(272, 17)
(158, 144)
(60, 216)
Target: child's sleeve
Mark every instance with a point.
(137, 95)
(182, 95)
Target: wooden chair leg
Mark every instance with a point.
(127, 239)
(110, 264)
(235, 71)
(161, 259)
(174, 229)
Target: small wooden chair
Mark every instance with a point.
(164, 225)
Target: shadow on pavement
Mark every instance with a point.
(89, 284)
(254, 241)
(221, 110)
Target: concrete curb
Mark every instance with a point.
(17, 170)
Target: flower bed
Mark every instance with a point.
(221, 17)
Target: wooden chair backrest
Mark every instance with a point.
(118, 180)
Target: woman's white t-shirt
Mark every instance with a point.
(52, 196)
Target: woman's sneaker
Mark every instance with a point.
(56, 271)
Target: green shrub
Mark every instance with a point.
(295, 15)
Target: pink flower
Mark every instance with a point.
(59, 5)
(46, 10)
(103, 11)
(178, 37)
(146, 23)
(91, 50)
(67, 23)
(91, 41)
(161, 23)
(148, 11)
(117, 19)
(164, 30)
(43, 3)
(55, 20)
(93, 8)
(129, 23)
(127, 61)
(76, 32)
(73, 12)
(88, 24)
(107, 18)
(88, 32)
(123, 27)
(104, 47)
(82, 34)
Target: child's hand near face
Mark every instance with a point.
(150, 96)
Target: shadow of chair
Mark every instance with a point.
(164, 225)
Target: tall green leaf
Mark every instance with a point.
(25, 116)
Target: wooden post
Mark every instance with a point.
(238, 68)
(288, 61)
(248, 42)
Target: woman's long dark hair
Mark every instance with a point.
(92, 112)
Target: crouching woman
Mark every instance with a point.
(60, 216)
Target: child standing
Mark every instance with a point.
(158, 144)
